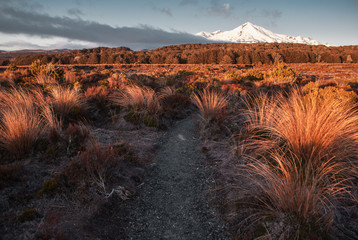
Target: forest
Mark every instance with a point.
(225, 53)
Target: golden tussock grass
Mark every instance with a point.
(64, 100)
(139, 99)
(211, 104)
(21, 125)
(313, 127)
(304, 149)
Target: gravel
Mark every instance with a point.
(173, 201)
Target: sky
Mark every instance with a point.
(139, 24)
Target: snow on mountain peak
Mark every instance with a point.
(251, 33)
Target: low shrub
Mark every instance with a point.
(281, 74)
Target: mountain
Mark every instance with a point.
(251, 33)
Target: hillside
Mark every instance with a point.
(225, 53)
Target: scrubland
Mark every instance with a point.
(281, 140)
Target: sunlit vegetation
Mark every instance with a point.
(212, 105)
(305, 148)
(281, 139)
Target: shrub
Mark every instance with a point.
(233, 75)
(254, 75)
(76, 135)
(281, 74)
(11, 68)
(46, 73)
(211, 104)
(341, 95)
(97, 162)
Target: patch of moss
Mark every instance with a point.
(48, 187)
(150, 121)
(51, 150)
(132, 117)
(28, 214)
(259, 230)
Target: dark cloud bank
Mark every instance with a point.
(14, 21)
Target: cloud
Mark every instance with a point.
(220, 10)
(188, 2)
(272, 15)
(166, 11)
(20, 45)
(75, 12)
(16, 21)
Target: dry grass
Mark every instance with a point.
(44, 79)
(311, 126)
(211, 104)
(301, 195)
(304, 149)
(20, 128)
(65, 100)
(16, 97)
(139, 99)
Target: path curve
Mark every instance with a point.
(173, 201)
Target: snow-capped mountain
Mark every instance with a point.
(251, 33)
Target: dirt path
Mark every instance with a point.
(173, 203)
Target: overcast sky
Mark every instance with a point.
(139, 24)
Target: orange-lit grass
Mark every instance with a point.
(304, 153)
(16, 97)
(20, 128)
(139, 99)
(211, 104)
(43, 79)
(297, 192)
(311, 126)
(64, 100)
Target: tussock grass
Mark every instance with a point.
(20, 127)
(65, 100)
(44, 79)
(311, 126)
(139, 99)
(298, 194)
(16, 97)
(211, 104)
(304, 148)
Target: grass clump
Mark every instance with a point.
(142, 102)
(211, 104)
(20, 123)
(304, 148)
(66, 101)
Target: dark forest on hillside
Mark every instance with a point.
(226, 53)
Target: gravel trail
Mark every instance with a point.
(173, 201)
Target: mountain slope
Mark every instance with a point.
(251, 33)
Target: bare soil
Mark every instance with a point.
(173, 201)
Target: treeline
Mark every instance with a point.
(227, 53)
